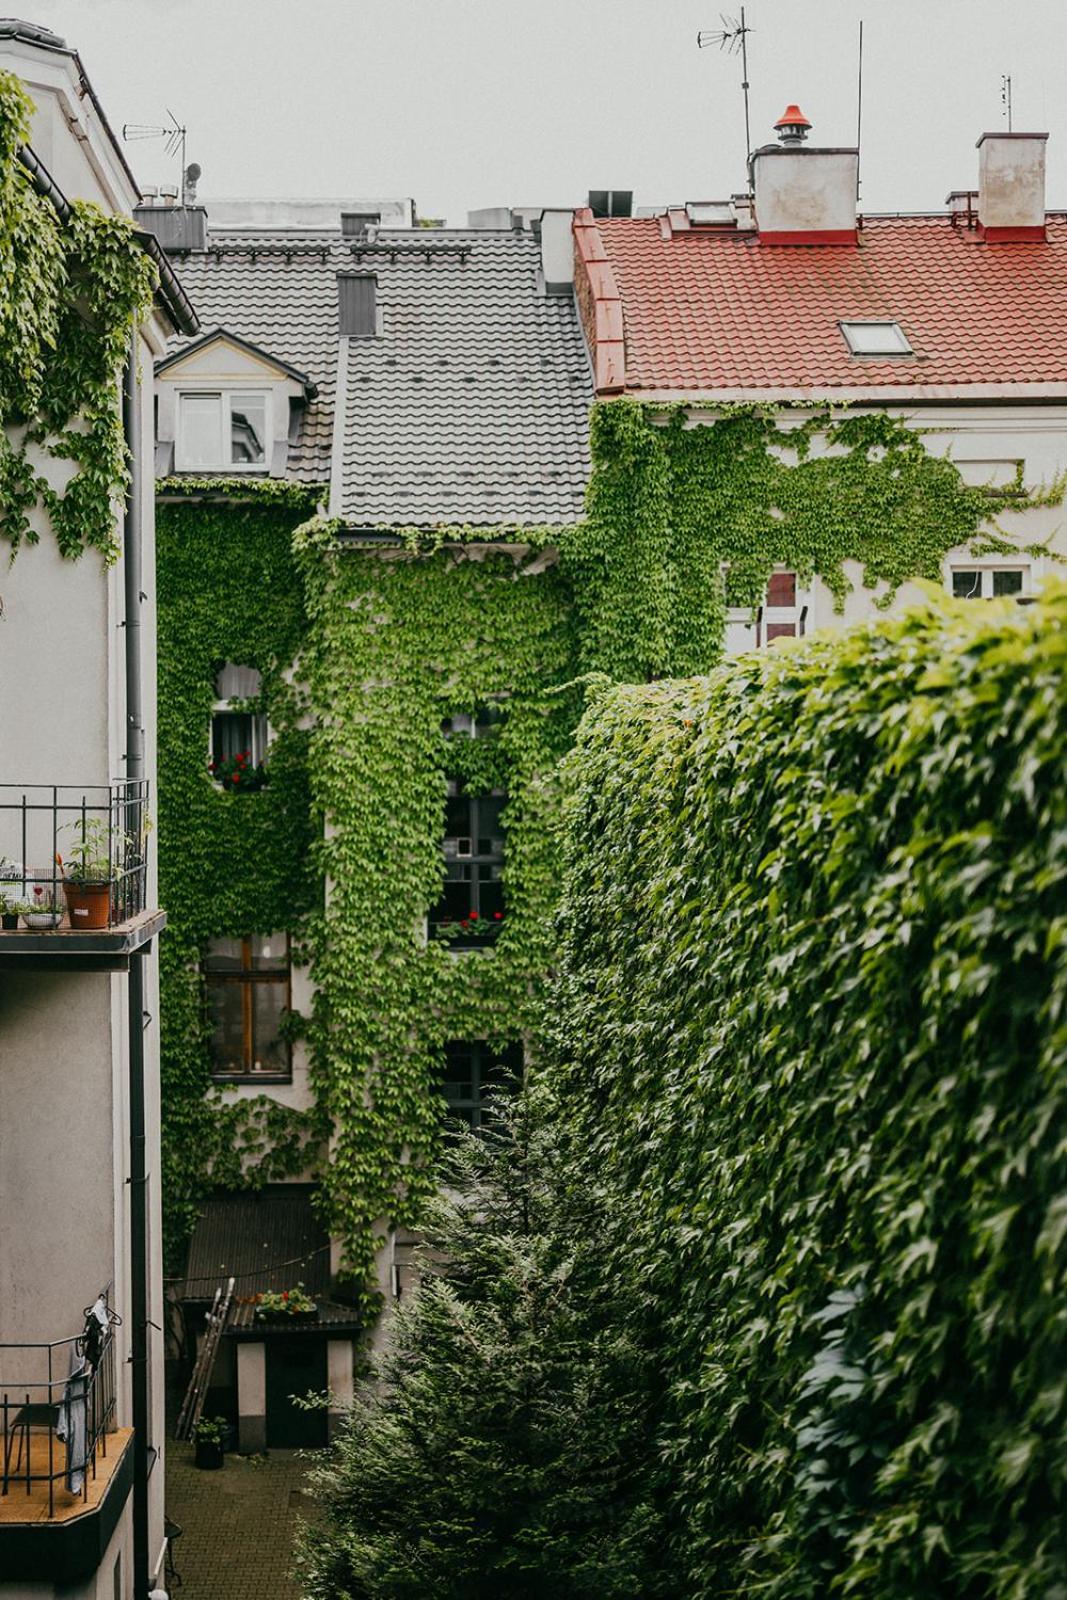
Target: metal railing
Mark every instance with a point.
(54, 837)
(55, 1425)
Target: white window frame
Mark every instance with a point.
(902, 349)
(225, 396)
(986, 568)
(755, 619)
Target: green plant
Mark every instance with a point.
(238, 774)
(293, 1302)
(511, 1408)
(210, 1430)
(70, 295)
(95, 853)
(812, 1036)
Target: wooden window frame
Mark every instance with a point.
(487, 929)
(250, 978)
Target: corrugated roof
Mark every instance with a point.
(328, 1314)
(706, 310)
(472, 406)
(270, 1240)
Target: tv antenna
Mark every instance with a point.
(733, 38)
(1005, 96)
(173, 135)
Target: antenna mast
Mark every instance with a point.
(1005, 96)
(733, 37)
(859, 112)
(173, 135)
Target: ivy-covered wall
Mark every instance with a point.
(229, 864)
(70, 294)
(388, 641)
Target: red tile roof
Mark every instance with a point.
(714, 310)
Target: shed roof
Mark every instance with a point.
(268, 1240)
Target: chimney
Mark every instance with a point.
(804, 195)
(178, 229)
(1011, 187)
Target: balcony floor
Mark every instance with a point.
(17, 1506)
(79, 949)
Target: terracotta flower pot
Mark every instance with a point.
(88, 904)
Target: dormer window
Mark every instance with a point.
(876, 339)
(223, 431)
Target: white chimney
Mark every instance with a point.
(1011, 187)
(804, 195)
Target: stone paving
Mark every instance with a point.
(239, 1524)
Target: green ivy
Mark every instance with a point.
(386, 641)
(70, 295)
(229, 864)
(672, 502)
(398, 642)
(813, 1040)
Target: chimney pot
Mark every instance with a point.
(1011, 187)
(792, 126)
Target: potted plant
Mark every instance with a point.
(283, 1307)
(41, 910)
(88, 872)
(239, 774)
(209, 1436)
(9, 914)
(11, 880)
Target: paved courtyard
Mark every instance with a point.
(239, 1524)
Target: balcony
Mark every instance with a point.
(66, 1467)
(74, 876)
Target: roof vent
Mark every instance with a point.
(177, 228)
(792, 126)
(357, 305)
(356, 224)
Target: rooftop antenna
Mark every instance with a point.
(859, 111)
(732, 37)
(1005, 96)
(173, 135)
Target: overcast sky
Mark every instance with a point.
(466, 103)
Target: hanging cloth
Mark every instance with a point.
(97, 1321)
(71, 1423)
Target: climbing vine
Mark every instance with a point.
(70, 294)
(386, 642)
(229, 864)
(674, 504)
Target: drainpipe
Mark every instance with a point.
(139, 1352)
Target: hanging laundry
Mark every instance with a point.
(71, 1423)
(97, 1322)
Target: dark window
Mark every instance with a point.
(472, 900)
(782, 589)
(357, 305)
(354, 224)
(472, 1074)
(247, 984)
(781, 630)
(1007, 583)
(967, 585)
(238, 737)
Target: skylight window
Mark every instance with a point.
(876, 339)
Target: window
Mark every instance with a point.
(472, 1074)
(238, 735)
(989, 583)
(354, 224)
(481, 724)
(876, 339)
(783, 615)
(222, 431)
(247, 983)
(471, 907)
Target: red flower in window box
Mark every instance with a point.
(473, 917)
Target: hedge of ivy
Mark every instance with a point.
(814, 1034)
(70, 294)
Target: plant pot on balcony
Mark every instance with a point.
(88, 903)
(208, 1455)
(9, 921)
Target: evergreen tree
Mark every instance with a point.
(497, 1450)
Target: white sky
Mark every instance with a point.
(466, 103)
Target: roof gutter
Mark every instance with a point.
(169, 295)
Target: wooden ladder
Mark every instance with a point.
(195, 1395)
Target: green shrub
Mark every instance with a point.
(812, 1035)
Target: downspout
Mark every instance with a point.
(139, 1353)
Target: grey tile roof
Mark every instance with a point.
(472, 406)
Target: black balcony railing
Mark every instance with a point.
(57, 1407)
(73, 855)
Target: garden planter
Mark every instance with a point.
(9, 921)
(39, 920)
(88, 904)
(286, 1316)
(208, 1455)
